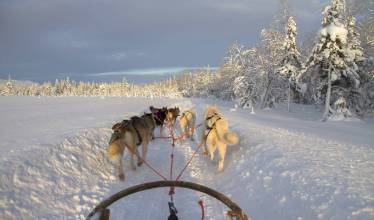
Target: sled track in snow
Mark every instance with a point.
(58, 182)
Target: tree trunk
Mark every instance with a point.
(328, 96)
(289, 95)
(265, 96)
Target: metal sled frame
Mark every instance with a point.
(235, 211)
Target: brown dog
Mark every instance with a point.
(172, 115)
(128, 134)
(187, 123)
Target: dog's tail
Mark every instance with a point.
(224, 134)
(230, 138)
(114, 153)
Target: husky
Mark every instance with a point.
(159, 115)
(215, 134)
(187, 123)
(128, 134)
(150, 121)
(172, 115)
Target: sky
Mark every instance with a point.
(47, 39)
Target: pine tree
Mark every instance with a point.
(354, 43)
(9, 87)
(330, 73)
(290, 64)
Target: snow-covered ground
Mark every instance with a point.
(286, 166)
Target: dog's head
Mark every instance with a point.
(157, 110)
(172, 114)
(174, 111)
(159, 113)
(210, 111)
(151, 108)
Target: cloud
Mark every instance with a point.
(118, 56)
(94, 36)
(152, 71)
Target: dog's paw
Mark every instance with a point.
(140, 163)
(220, 167)
(121, 177)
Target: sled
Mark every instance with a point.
(101, 210)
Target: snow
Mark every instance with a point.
(335, 32)
(286, 166)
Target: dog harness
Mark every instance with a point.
(137, 134)
(211, 123)
(211, 120)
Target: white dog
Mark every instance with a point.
(216, 134)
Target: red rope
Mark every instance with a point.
(173, 144)
(202, 209)
(171, 130)
(172, 189)
(188, 163)
(179, 137)
(161, 137)
(146, 163)
(154, 170)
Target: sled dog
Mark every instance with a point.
(159, 115)
(172, 115)
(128, 134)
(187, 123)
(150, 122)
(215, 134)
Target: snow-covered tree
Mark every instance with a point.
(235, 65)
(364, 9)
(356, 53)
(271, 50)
(291, 64)
(8, 89)
(248, 87)
(330, 73)
(10, 86)
(260, 84)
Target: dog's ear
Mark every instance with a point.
(116, 126)
(125, 122)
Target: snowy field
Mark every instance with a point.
(286, 165)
